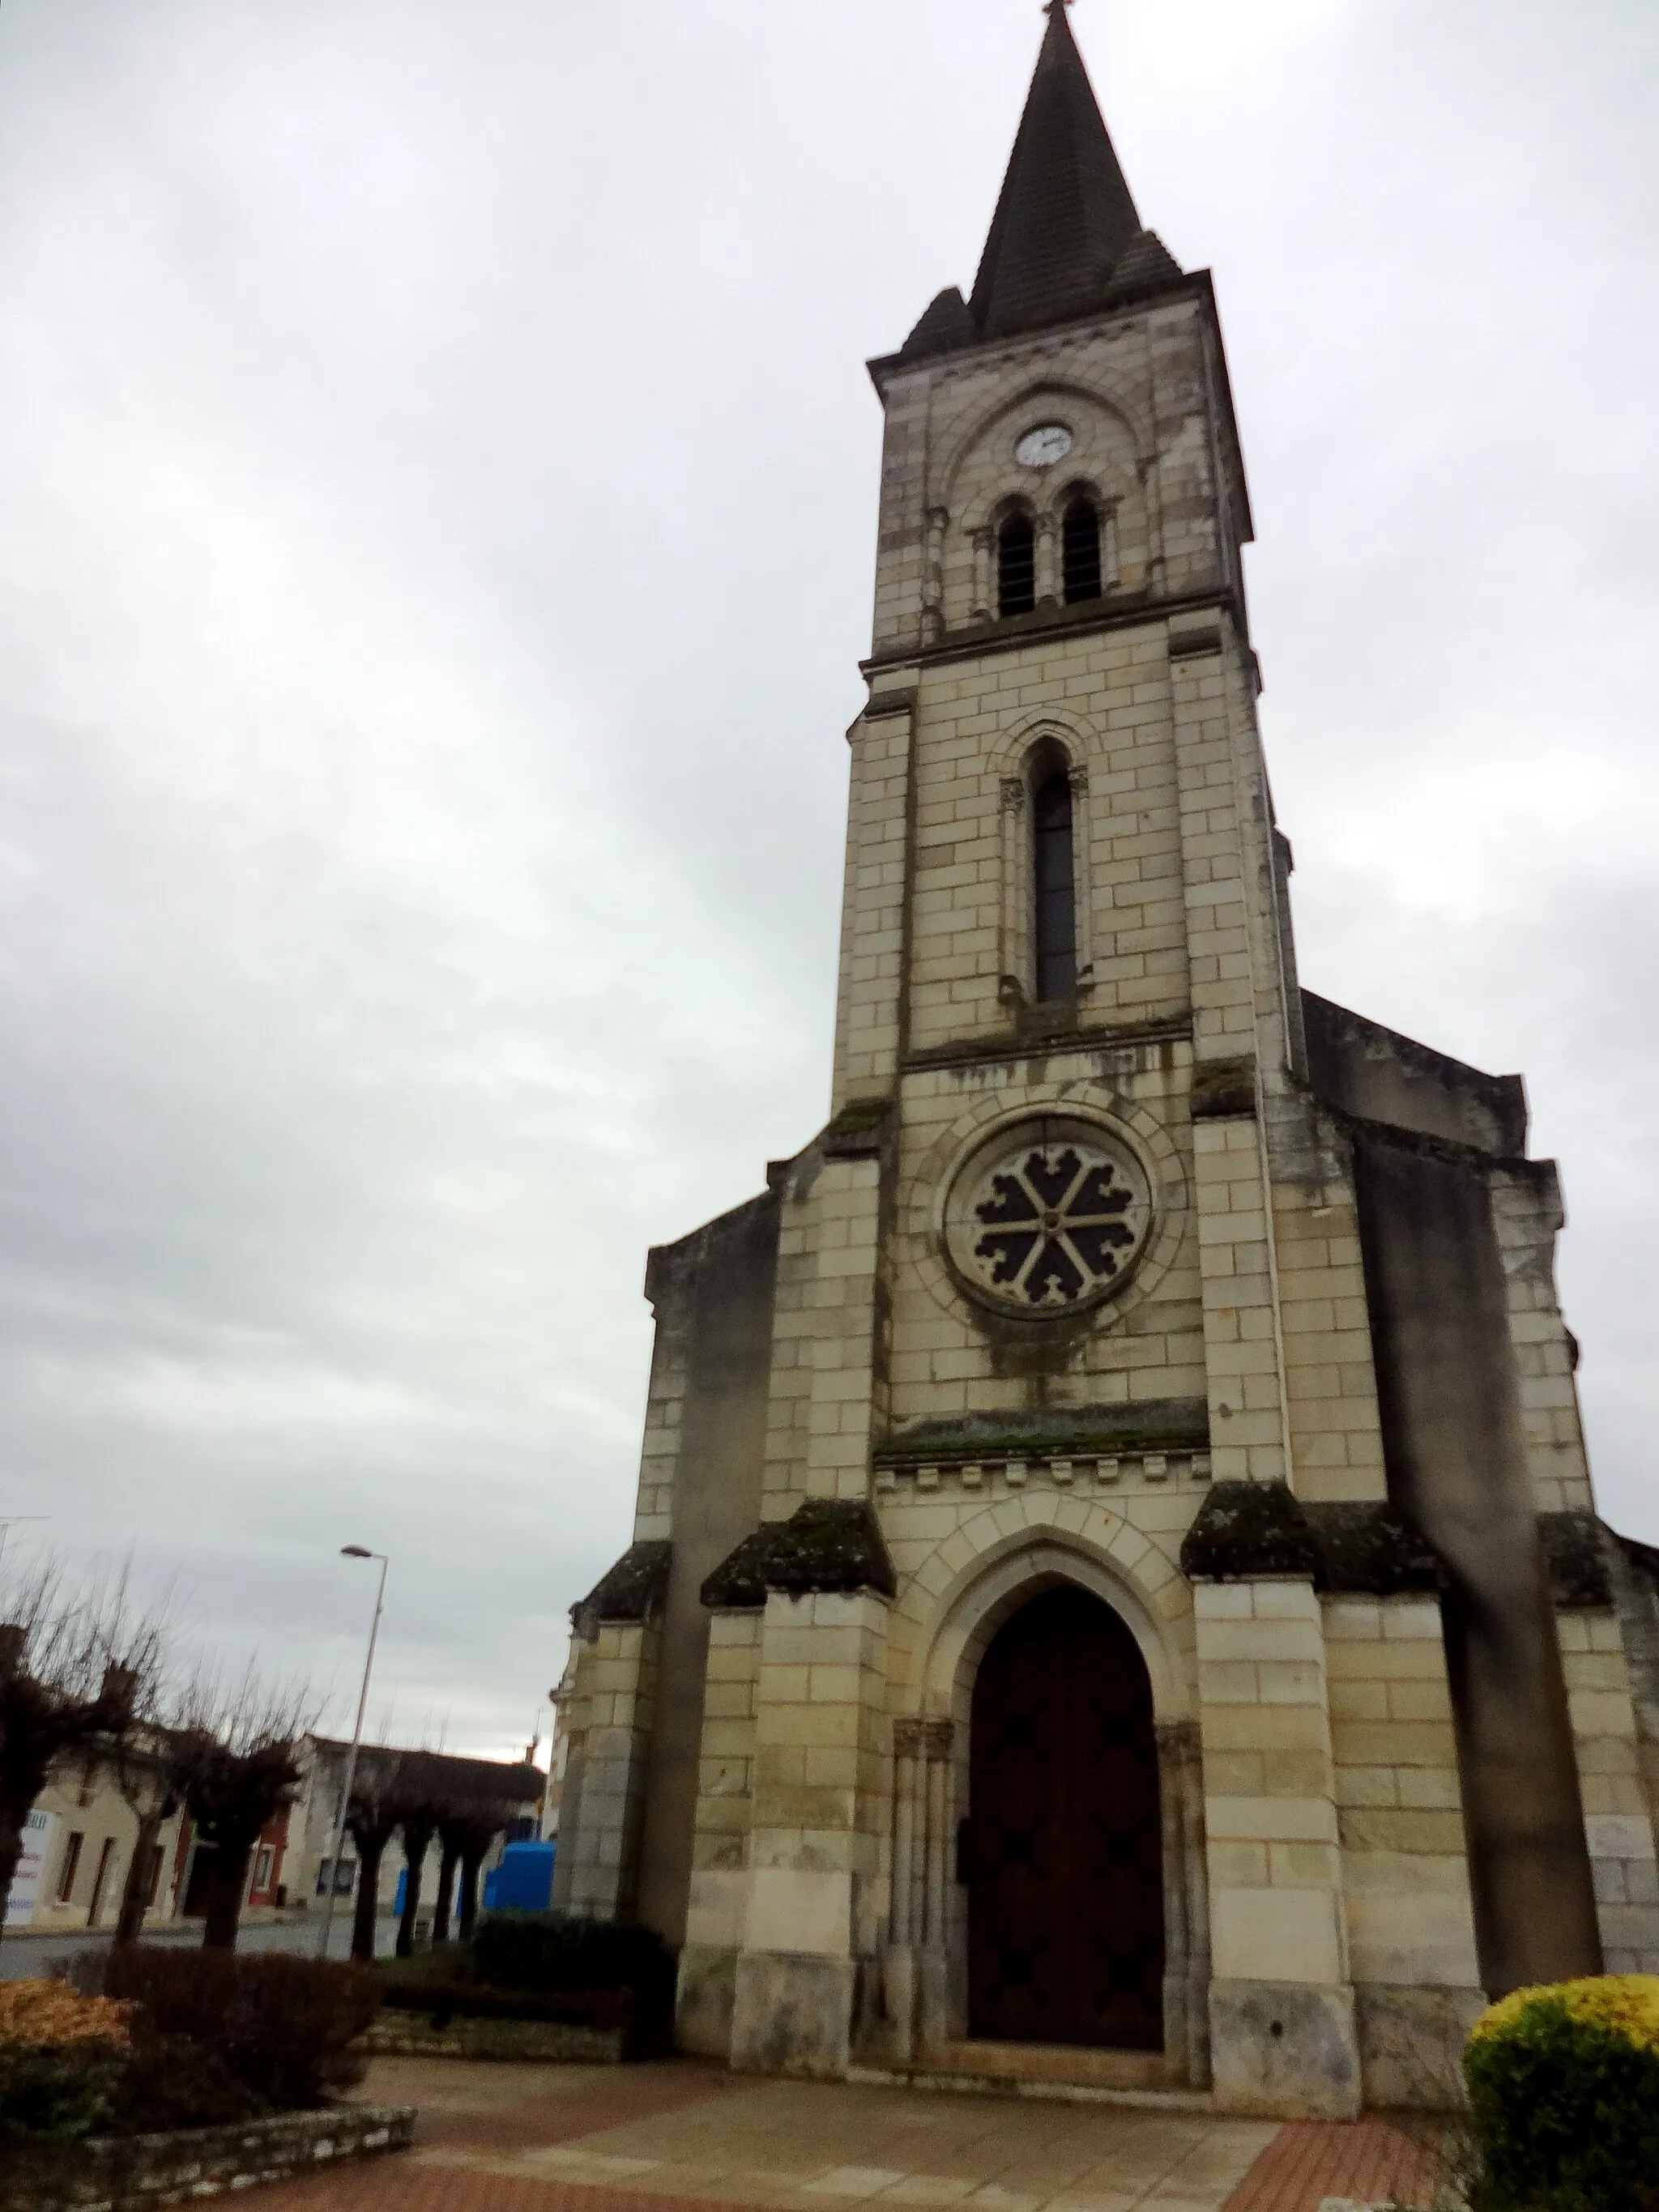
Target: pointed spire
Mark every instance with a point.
(1065, 216)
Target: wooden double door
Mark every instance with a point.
(1063, 1851)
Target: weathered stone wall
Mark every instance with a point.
(1405, 1860)
(725, 1815)
(119, 2174)
(725, 1282)
(1458, 1467)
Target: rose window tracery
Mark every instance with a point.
(1050, 1215)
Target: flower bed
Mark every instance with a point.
(163, 2075)
(413, 2034)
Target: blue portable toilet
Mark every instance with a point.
(523, 1882)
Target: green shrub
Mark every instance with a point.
(442, 2001)
(1563, 2095)
(558, 1951)
(62, 2059)
(59, 2096)
(287, 2029)
(170, 2081)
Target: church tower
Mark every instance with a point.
(1115, 1595)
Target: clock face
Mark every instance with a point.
(1042, 448)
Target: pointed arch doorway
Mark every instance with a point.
(1065, 1872)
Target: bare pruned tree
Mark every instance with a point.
(234, 1757)
(144, 1774)
(481, 1799)
(79, 1666)
(373, 1818)
(422, 1799)
(471, 1831)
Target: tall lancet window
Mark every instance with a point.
(1080, 550)
(1016, 566)
(1054, 880)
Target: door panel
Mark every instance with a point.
(1066, 1873)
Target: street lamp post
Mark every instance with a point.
(352, 1551)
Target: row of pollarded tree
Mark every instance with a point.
(422, 1797)
(84, 1675)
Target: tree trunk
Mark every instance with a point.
(440, 1908)
(472, 1859)
(134, 1899)
(11, 1850)
(224, 1910)
(370, 1850)
(417, 1835)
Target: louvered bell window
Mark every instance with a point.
(1080, 551)
(1016, 566)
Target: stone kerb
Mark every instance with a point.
(119, 2174)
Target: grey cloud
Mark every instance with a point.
(439, 477)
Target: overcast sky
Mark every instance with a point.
(437, 492)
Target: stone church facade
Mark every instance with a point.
(1115, 1596)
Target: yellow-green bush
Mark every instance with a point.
(1564, 2088)
(62, 2059)
(42, 2015)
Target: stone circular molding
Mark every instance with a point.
(1049, 1216)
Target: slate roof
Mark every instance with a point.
(1066, 240)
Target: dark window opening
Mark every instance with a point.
(104, 1858)
(70, 1867)
(1016, 566)
(1080, 551)
(1056, 908)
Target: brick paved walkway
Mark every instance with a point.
(669, 2136)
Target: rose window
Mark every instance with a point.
(1052, 1215)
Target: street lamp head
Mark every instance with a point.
(354, 1552)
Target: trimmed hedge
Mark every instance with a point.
(548, 1951)
(1563, 2091)
(553, 1967)
(461, 1999)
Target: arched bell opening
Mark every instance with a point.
(1062, 1850)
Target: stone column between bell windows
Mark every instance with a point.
(1283, 2033)
(933, 586)
(984, 545)
(1243, 1351)
(1046, 579)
